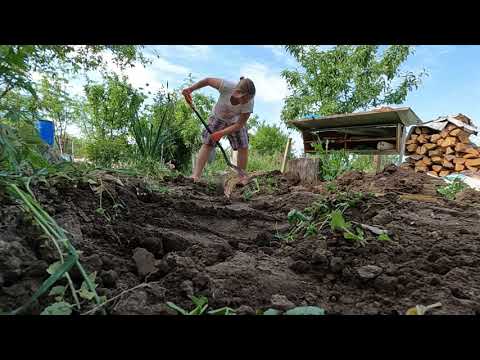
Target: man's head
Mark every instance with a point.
(243, 92)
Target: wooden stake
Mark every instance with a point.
(285, 155)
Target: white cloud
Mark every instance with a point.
(270, 86)
(156, 74)
(276, 49)
(181, 51)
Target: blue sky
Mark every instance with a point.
(453, 84)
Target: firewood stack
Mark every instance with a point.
(441, 153)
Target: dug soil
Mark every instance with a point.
(184, 239)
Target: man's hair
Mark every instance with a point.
(246, 86)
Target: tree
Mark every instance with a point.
(57, 105)
(111, 107)
(268, 139)
(346, 78)
(18, 61)
(18, 106)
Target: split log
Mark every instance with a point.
(473, 162)
(444, 173)
(461, 147)
(416, 157)
(412, 147)
(459, 160)
(423, 139)
(437, 168)
(433, 173)
(451, 127)
(418, 130)
(447, 164)
(435, 137)
(449, 150)
(464, 137)
(471, 168)
(469, 156)
(437, 152)
(425, 130)
(455, 132)
(473, 151)
(422, 150)
(459, 167)
(449, 157)
(430, 146)
(423, 168)
(449, 141)
(437, 159)
(427, 161)
(411, 141)
(444, 133)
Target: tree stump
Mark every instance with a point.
(305, 168)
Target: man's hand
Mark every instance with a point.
(216, 136)
(187, 93)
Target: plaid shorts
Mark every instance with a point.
(238, 139)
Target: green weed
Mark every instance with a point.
(451, 190)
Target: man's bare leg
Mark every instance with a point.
(242, 161)
(201, 161)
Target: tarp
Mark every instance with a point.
(440, 123)
(471, 180)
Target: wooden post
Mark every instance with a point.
(402, 140)
(285, 155)
(378, 163)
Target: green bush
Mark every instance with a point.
(106, 152)
(333, 163)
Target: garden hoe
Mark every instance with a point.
(241, 173)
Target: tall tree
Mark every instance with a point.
(18, 61)
(57, 105)
(111, 107)
(268, 139)
(346, 78)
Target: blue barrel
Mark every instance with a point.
(46, 130)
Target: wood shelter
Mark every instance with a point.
(378, 132)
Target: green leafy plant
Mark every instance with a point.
(451, 190)
(58, 308)
(338, 223)
(330, 186)
(152, 135)
(384, 237)
(333, 163)
(201, 305)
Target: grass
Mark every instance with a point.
(256, 162)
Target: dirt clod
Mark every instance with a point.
(145, 262)
(369, 272)
(281, 302)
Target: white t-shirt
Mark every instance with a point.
(224, 109)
